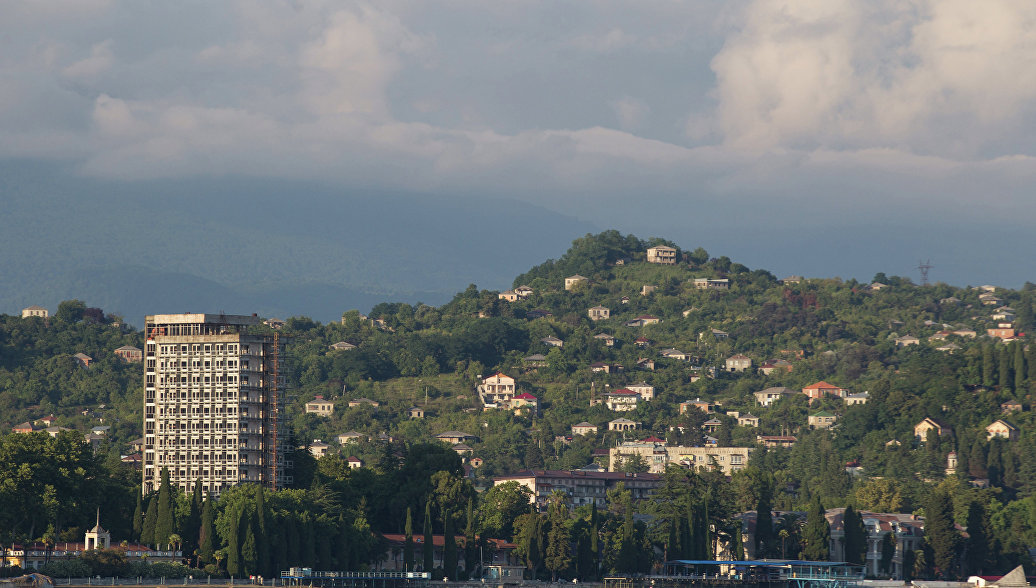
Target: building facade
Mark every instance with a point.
(213, 403)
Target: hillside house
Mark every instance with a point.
(675, 354)
(129, 354)
(661, 254)
(552, 341)
(748, 420)
(642, 342)
(854, 399)
(508, 295)
(703, 405)
(770, 395)
(717, 334)
(906, 340)
(646, 391)
(775, 364)
(821, 389)
(711, 284)
(341, 346)
(950, 348)
(647, 289)
(1010, 406)
(274, 323)
(624, 300)
(536, 360)
(621, 424)
(622, 400)
(968, 333)
(364, 402)
(83, 359)
(538, 313)
(1000, 333)
(599, 313)
(354, 462)
(658, 456)
(644, 363)
(644, 319)
(598, 367)
(738, 363)
(929, 424)
(822, 420)
(711, 426)
(776, 440)
(607, 339)
(35, 310)
(351, 437)
(584, 428)
(455, 437)
(525, 401)
(497, 389)
(790, 280)
(523, 291)
(1003, 430)
(318, 448)
(580, 486)
(320, 407)
(415, 412)
(23, 428)
(573, 282)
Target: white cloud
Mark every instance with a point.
(99, 61)
(947, 77)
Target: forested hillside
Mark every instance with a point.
(853, 335)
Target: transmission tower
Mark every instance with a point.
(924, 266)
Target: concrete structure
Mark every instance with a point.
(341, 346)
(738, 363)
(1003, 430)
(213, 403)
(658, 455)
(35, 310)
(572, 282)
(661, 254)
(622, 400)
(854, 399)
(929, 424)
(319, 406)
(364, 402)
(318, 448)
(822, 420)
(599, 313)
(415, 412)
(821, 389)
(907, 529)
(608, 340)
(770, 395)
(584, 428)
(581, 487)
(646, 391)
(621, 424)
(497, 391)
(711, 284)
(129, 354)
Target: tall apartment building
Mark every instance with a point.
(213, 403)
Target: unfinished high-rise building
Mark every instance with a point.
(213, 403)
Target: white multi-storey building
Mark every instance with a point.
(213, 403)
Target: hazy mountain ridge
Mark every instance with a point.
(273, 247)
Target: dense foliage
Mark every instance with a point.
(843, 332)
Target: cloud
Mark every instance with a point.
(944, 77)
(99, 61)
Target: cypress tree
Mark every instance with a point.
(1019, 368)
(1004, 369)
(164, 523)
(978, 541)
(855, 536)
(595, 549)
(292, 540)
(977, 460)
(343, 545)
(470, 548)
(1030, 363)
(764, 518)
(816, 534)
(449, 549)
(262, 540)
(138, 517)
(309, 541)
(192, 525)
(988, 366)
(147, 529)
(428, 547)
(408, 547)
(206, 532)
(994, 463)
(737, 542)
(940, 533)
(559, 556)
(234, 544)
(249, 551)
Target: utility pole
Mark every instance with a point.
(924, 266)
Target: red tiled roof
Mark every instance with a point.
(525, 396)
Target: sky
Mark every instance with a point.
(816, 137)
